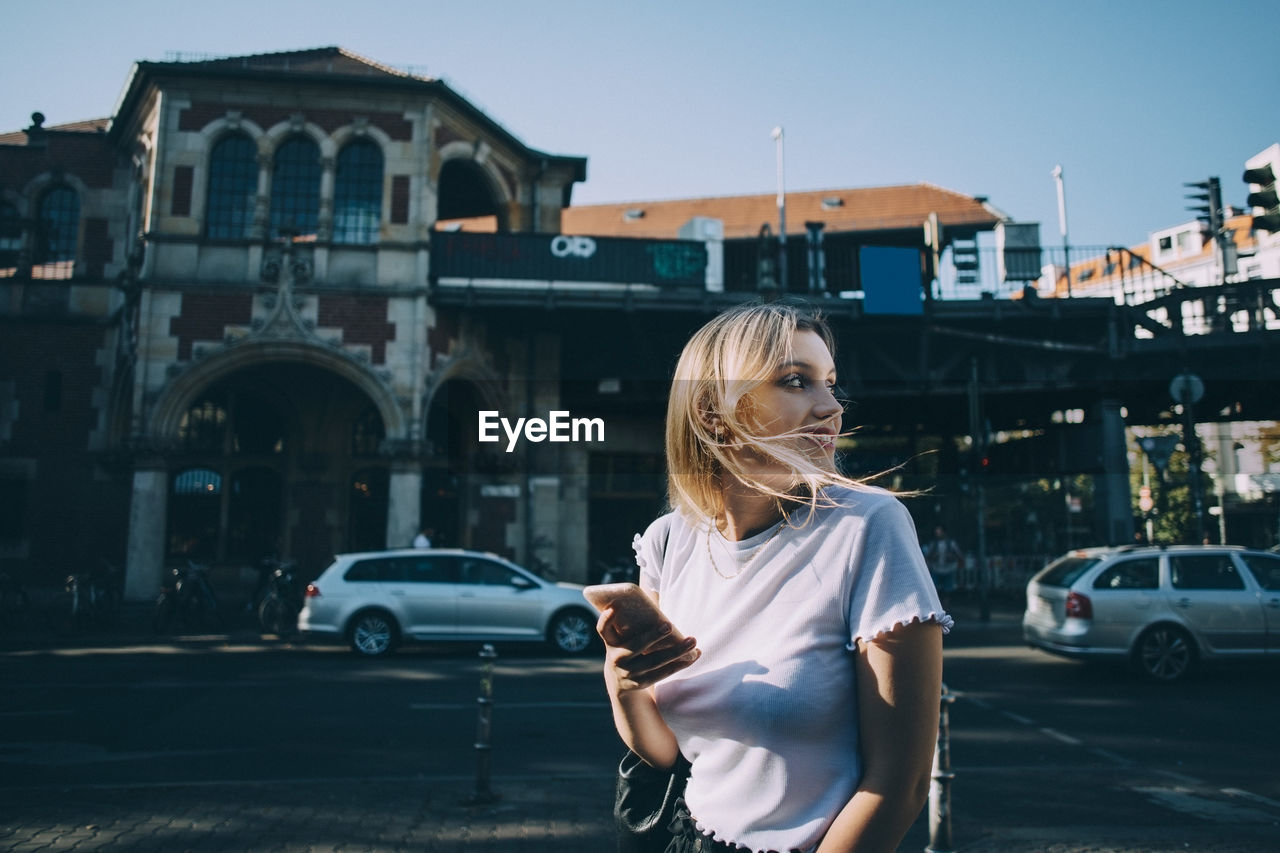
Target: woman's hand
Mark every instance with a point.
(636, 659)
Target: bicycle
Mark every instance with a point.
(279, 608)
(89, 600)
(186, 596)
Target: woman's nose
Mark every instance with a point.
(828, 404)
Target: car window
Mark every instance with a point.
(1065, 571)
(1266, 569)
(1204, 571)
(365, 570)
(1142, 573)
(420, 569)
(485, 572)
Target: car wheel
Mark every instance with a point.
(373, 633)
(1165, 652)
(572, 632)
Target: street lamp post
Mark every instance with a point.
(1062, 225)
(782, 213)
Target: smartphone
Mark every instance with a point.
(632, 607)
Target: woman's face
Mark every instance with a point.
(799, 399)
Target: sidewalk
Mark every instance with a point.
(570, 815)
(531, 815)
(131, 626)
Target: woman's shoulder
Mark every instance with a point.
(657, 535)
(660, 528)
(862, 502)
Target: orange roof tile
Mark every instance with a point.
(863, 209)
(93, 125)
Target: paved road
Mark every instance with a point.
(1097, 756)
(238, 743)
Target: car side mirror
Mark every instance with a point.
(522, 584)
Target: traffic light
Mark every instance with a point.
(1209, 210)
(1260, 174)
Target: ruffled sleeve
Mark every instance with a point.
(890, 581)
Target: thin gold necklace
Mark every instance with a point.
(754, 554)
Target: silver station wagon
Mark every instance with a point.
(1164, 608)
(378, 599)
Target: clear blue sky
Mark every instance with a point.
(677, 99)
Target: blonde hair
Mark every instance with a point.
(720, 366)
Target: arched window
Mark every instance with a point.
(357, 193)
(233, 183)
(194, 503)
(10, 239)
(295, 188)
(59, 226)
(197, 481)
(203, 428)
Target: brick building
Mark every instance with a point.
(216, 335)
(247, 315)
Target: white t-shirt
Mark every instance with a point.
(768, 715)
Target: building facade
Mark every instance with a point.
(218, 343)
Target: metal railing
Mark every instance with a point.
(1118, 273)
(1110, 272)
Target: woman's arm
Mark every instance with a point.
(633, 663)
(899, 677)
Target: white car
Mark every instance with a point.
(378, 599)
(1162, 607)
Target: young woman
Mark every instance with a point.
(806, 692)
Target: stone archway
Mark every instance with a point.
(265, 462)
(266, 449)
(467, 191)
(165, 416)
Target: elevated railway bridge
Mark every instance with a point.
(1032, 394)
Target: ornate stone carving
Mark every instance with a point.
(285, 265)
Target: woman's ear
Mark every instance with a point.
(715, 425)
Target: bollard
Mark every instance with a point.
(484, 719)
(940, 787)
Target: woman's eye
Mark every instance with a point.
(795, 380)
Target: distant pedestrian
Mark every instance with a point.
(945, 559)
(423, 539)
